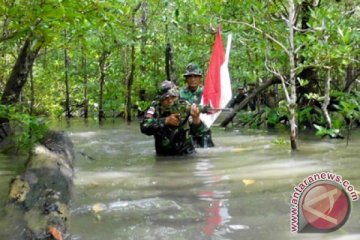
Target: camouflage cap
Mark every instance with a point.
(192, 69)
(167, 89)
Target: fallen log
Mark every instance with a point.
(243, 103)
(39, 197)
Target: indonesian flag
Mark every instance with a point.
(217, 87)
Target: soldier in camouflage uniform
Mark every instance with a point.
(193, 94)
(171, 124)
(193, 90)
(241, 95)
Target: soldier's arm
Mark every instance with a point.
(151, 124)
(197, 127)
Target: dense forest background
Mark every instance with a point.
(99, 59)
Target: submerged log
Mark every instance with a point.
(39, 197)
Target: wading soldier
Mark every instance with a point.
(172, 122)
(192, 93)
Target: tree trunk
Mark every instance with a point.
(326, 102)
(169, 64)
(85, 77)
(129, 83)
(243, 103)
(168, 60)
(67, 91)
(352, 73)
(19, 73)
(292, 103)
(32, 92)
(103, 67)
(144, 26)
(293, 128)
(130, 77)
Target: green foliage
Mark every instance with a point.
(338, 120)
(275, 115)
(323, 131)
(33, 130)
(252, 120)
(314, 96)
(244, 117)
(303, 82)
(142, 105)
(305, 114)
(28, 129)
(349, 105)
(272, 117)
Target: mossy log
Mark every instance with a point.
(41, 194)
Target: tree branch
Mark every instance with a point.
(279, 75)
(8, 37)
(268, 36)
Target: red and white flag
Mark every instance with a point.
(217, 87)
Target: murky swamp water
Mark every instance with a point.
(241, 189)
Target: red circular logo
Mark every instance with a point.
(325, 206)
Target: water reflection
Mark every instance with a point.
(217, 212)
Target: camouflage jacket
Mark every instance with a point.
(191, 97)
(205, 140)
(170, 140)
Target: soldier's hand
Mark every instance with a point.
(173, 120)
(195, 114)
